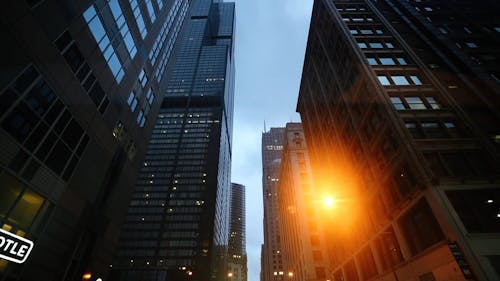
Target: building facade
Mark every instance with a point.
(237, 260)
(177, 224)
(300, 212)
(271, 256)
(399, 103)
(80, 87)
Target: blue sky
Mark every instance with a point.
(271, 37)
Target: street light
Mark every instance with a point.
(328, 202)
(290, 274)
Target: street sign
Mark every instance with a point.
(14, 248)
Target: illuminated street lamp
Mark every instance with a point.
(290, 274)
(87, 276)
(230, 274)
(328, 202)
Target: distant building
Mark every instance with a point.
(300, 212)
(271, 257)
(400, 108)
(237, 255)
(177, 225)
(81, 84)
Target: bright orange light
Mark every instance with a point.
(229, 274)
(87, 276)
(290, 274)
(328, 202)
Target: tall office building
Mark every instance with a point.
(271, 257)
(301, 210)
(237, 261)
(399, 103)
(177, 225)
(80, 86)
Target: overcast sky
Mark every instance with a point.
(271, 37)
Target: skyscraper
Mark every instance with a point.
(80, 88)
(300, 209)
(177, 225)
(237, 260)
(272, 261)
(399, 103)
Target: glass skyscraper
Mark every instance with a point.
(177, 225)
(399, 104)
(271, 255)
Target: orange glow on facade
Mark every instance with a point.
(86, 276)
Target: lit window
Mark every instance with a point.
(402, 61)
(415, 103)
(366, 31)
(415, 80)
(138, 18)
(400, 80)
(354, 31)
(428, 9)
(372, 61)
(387, 61)
(362, 45)
(443, 30)
(143, 78)
(151, 11)
(398, 104)
(389, 45)
(383, 80)
(433, 103)
(376, 45)
(132, 101)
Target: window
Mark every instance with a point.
(372, 61)
(398, 104)
(138, 18)
(362, 45)
(387, 61)
(383, 80)
(428, 9)
(443, 30)
(433, 103)
(466, 29)
(150, 96)
(415, 103)
(400, 80)
(354, 31)
(420, 228)
(389, 45)
(151, 11)
(132, 101)
(471, 45)
(401, 61)
(366, 31)
(477, 209)
(415, 80)
(376, 45)
(143, 78)
(366, 263)
(388, 248)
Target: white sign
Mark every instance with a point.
(14, 248)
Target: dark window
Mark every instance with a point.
(58, 157)
(96, 94)
(31, 169)
(63, 120)
(350, 271)
(420, 228)
(40, 98)
(388, 249)
(72, 134)
(73, 57)
(44, 149)
(8, 98)
(20, 122)
(26, 79)
(367, 263)
(54, 112)
(63, 41)
(36, 137)
(478, 209)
